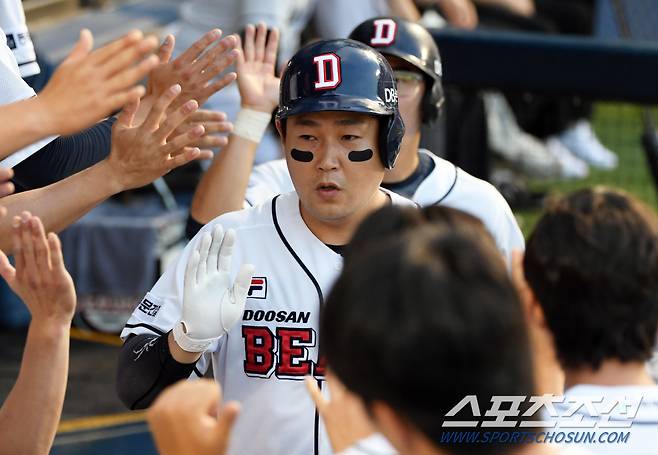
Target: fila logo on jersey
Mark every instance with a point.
(385, 30)
(258, 288)
(328, 71)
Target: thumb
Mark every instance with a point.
(7, 271)
(82, 47)
(242, 283)
(222, 430)
(127, 115)
(166, 49)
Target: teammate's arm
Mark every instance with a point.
(30, 414)
(139, 155)
(222, 188)
(86, 87)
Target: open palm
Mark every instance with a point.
(258, 85)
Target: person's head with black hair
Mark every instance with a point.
(393, 220)
(417, 322)
(592, 265)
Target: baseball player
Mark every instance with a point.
(340, 127)
(419, 174)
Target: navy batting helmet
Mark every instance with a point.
(413, 44)
(344, 75)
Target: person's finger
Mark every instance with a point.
(193, 52)
(214, 54)
(226, 252)
(239, 54)
(248, 45)
(315, 393)
(213, 254)
(17, 246)
(188, 155)
(209, 141)
(6, 189)
(7, 271)
(225, 422)
(174, 120)
(272, 46)
(125, 98)
(217, 127)
(218, 85)
(41, 250)
(259, 46)
(204, 250)
(56, 257)
(127, 115)
(218, 66)
(29, 255)
(124, 79)
(3, 212)
(192, 268)
(82, 48)
(128, 40)
(154, 117)
(166, 49)
(121, 61)
(198, 153)
(204, 115)
(181, 141)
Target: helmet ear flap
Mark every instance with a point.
(391, 132)
(433, 102)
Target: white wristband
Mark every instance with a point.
(189, 344)
(251, 125)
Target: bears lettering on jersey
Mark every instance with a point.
(385, 30)
(328, 71)
(286, 353)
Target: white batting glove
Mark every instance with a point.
(211, 305)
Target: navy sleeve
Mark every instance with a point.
(65, 156)
(145, 368)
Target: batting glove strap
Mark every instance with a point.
(190, 344)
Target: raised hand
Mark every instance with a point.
(258, 85)
(212, 304)
(40, 278)
(142, 153)
(195, 69)
(184, 419)
(89, 86)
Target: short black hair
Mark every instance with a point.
(424, 319)
(592, 263)
(393, 220)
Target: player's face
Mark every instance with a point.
(334, 162)
(411, 87)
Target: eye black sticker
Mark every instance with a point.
(360, 155)
(301, 155)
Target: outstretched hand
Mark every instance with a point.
(40, 278)
(89, 86)
(257, 82)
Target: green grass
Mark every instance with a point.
(619, 126)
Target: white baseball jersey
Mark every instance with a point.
(12, 21)
(13, 88)
(445, 185)
(261, 362)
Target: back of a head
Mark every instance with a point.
(424, 319)
(592, 262)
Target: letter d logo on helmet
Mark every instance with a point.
(344, 75)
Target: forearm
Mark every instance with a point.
(22, 123)
(31, 412)
(146, 367)
(60, 204)
(222, 188)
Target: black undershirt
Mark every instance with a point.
(408, 186)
